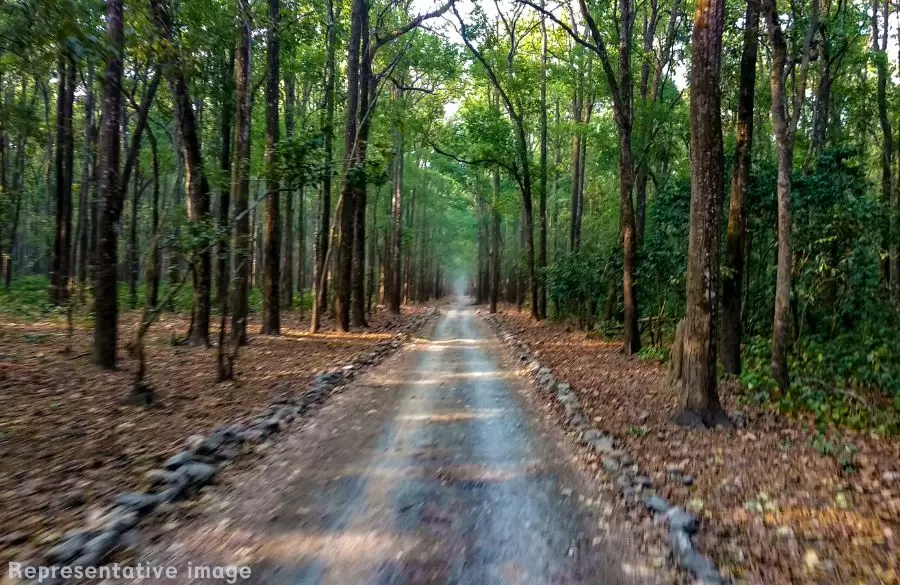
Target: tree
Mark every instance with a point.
(271, 320)
(195, 177)
(699, 395)
(785, 122)
(240, 175)
(733, 277)
(111, 197)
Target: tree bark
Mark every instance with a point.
(323, 235)
(87, 177)
(542, 181)
(287, 241)
(111, 195)
(153, 264)
(785, 123)
(61, 272)
(271, 318)
(223, 261)
(699, 394)
(195, 178)
(392, 279)
(732, 323)
(240, 176)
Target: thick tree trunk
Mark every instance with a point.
(111, 195)
(240, 177)
(61, 271)
(737, 209)
(699, 395)
(271, 317)
(392, 278)
(323, 235)
(352, 172)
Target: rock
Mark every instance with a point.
(193, 441)
(680, 542)
(253, 436)
(890, 476)
(679, 519)
(590, 434)
(179, 459)
(534, 366)
(121, 520)
(642, 481)
(163, 476)
(210, 444)
(656, 504)
(610, 465)
(102, 544)
(738, 418)
(687, 480)
(170, 494)
(623, 482)
(603, 444)
(198, 473)
(67, 550)
(72, 498)
(141, 503)
(578, 421)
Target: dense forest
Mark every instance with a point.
(718, 178)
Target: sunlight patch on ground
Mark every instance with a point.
(455, 416)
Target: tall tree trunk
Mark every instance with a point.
(153, 263)
(271, 318)
(223, 261)
(699, 395)
(542, 181)
(351, 174)
(323, 232)
(133, 264)
(577, 193)
(87, 176)
(111, 195)
(737, 209)
(785, 129)
(195, 177)
(240, 176)
(392, 274)
(495, 238)
(287, 241)
(61, 271)
(879, 51)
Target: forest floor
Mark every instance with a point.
(781, 502)
(67, 442)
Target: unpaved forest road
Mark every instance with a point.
(432, 468)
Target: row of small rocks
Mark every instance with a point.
(635, 488)
(201, 459)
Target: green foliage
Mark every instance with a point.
(27, 298)
(851, 380)
(574, 283)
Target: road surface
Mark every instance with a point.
(434, 467)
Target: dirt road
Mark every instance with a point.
(433, 468)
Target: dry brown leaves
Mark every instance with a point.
(775, 509)
(68, 444)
